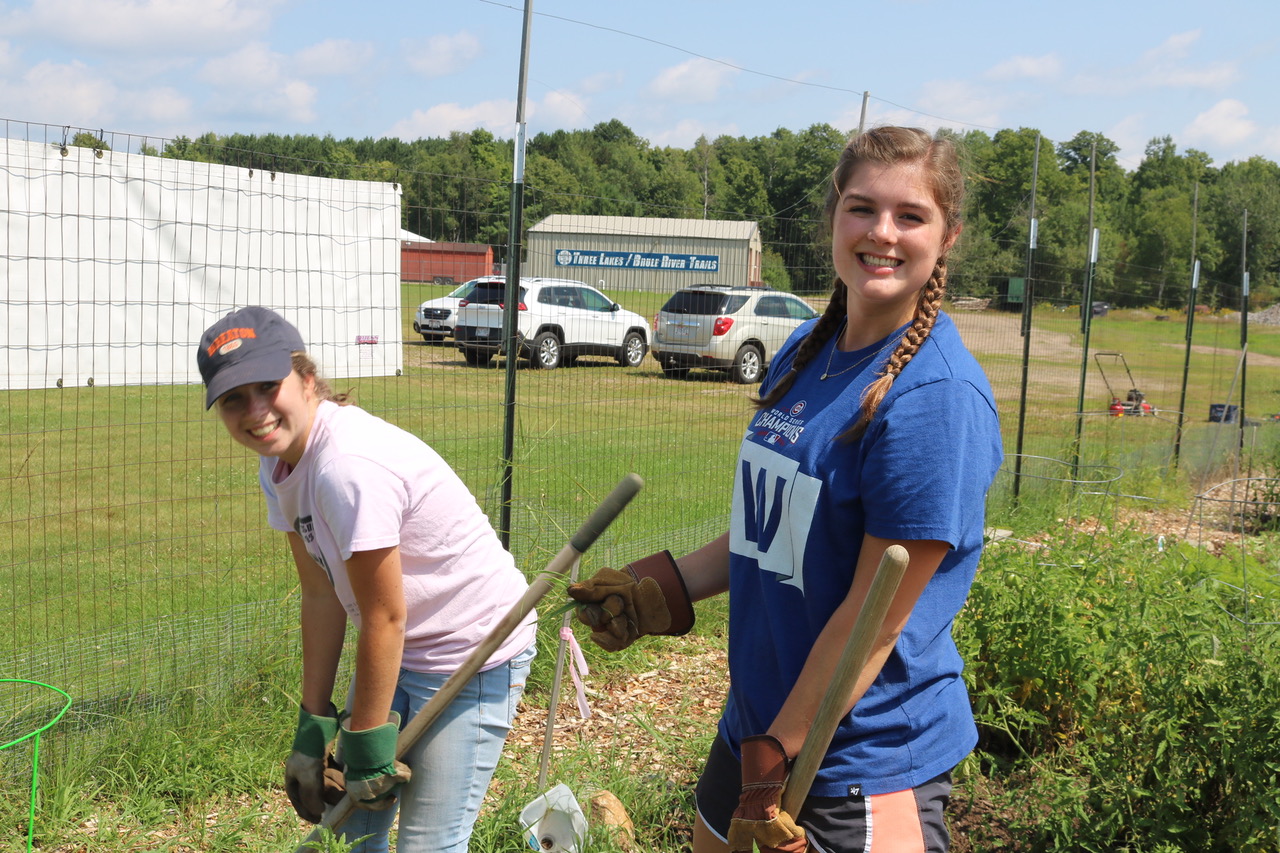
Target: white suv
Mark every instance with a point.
(434, 318)
(557, 321)
(719, 327)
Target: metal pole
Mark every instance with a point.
(1086, 311)
(862, 119)
(1027, 292)
(1191, 314)
(1244, 323)
(1186, 360)
(510, 329)
(1084, 357)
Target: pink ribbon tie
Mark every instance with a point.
(577, 669)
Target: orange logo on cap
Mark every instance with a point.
(227, 337)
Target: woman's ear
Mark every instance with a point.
(950, 239)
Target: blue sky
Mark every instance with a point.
(1206, 74)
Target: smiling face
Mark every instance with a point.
(888, 232)
(271, 418)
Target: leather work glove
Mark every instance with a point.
(372, 772)
(648, 597)
(310, 778)
(759, 818)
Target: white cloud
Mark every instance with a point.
(697, 81)
(164, 106)
(1131, 134)
(1173, 48)
(79, 96)
(8, 57)
(560, 109)
(1271, 144)
(333, 57)
(441, 55)
(1166, 66)
(254, 64)
(498, 117)
(1225, 124)
(170, 26)
(1215, 75)
(1045, 67)
(686, 132)
(253, 81)
(961, 101)
(601, 82)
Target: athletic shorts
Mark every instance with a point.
(908, 821)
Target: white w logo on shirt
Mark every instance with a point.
(773, 506)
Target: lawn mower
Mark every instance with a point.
(1135, 402)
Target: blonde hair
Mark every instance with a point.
(888, 146)
(305, 366)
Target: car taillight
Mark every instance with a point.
(722, 326)
(464, 303)
(522, 307)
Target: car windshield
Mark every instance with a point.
(695, 302)
(463, 291)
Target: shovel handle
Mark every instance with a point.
(893, 565)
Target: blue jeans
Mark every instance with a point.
(452, 762)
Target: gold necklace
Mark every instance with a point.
(831, 355)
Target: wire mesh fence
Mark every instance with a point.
(136, 557)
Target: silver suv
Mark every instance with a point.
(557, 320)
(718, 327)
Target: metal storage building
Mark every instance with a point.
(644, 254)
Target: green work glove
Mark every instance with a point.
(309, 777)
(759, 818)
(620, 607)
(372, 772)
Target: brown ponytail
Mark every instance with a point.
(305, 366)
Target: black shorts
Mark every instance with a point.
(910, 821)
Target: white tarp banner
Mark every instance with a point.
(113, 264)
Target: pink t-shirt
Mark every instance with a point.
(364, 484)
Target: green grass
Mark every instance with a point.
(141, 576)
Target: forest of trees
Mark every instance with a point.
(1152, 220)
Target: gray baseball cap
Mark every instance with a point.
(251, 344)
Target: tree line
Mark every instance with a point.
(1152, 220)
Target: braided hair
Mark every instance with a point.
(887, 146)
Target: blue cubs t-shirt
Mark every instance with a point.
(803, 501)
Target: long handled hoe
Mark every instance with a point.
(609, 509)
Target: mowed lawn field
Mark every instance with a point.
(144, 581)
(128, 504)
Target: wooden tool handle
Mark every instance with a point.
(893, 565)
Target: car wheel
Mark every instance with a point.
(675, 371)
(633, 350)
(477, 357)
(546, 351)
(747, 365)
